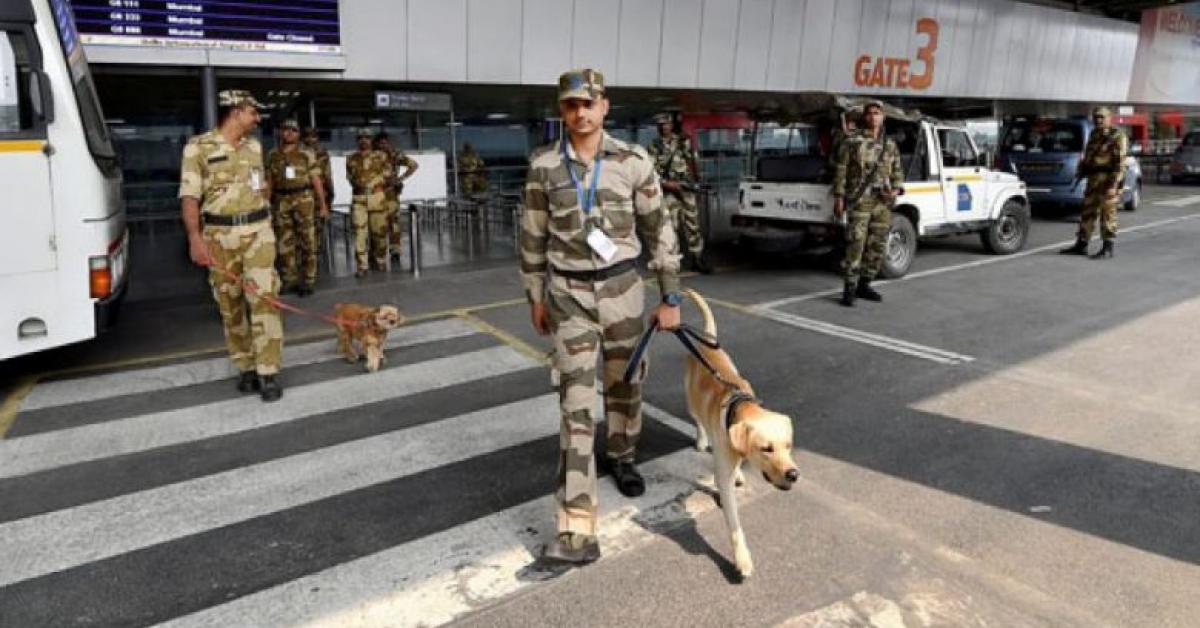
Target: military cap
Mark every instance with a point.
(382, 135)
(584, 84)
(878, 104)
(1102, 111)
(289, 123)
(663, 118)
(236, 98)
(363, 133)
(308, 132)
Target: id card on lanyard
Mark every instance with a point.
(599, 242)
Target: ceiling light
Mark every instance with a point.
(497, 116)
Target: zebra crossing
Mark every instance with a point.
(411, 496)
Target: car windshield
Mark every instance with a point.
(1192, 139)
(1042, 137)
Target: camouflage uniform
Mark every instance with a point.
(294, 212)
(311, 143)
(392, 194)
(1103, 164)
(368, 175)
(673, 159)
(869, 217)
(229, 180)
(590, 318)
(471, 167)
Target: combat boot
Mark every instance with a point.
(248, 382)
(1079, 248)
(629, 480)
(701, 263)
(572, 548)
(849, 292)
(865, 291)
(271, 390)
(1106, 250)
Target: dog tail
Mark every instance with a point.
(710, 323)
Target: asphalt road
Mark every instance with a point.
(1004, 441)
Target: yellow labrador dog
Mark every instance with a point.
(739, 428)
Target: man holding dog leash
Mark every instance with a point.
(587, 199)
(223, 191)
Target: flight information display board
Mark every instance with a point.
(301, 26)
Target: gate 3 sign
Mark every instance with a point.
(871, 71)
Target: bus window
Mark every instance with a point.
(16, 111)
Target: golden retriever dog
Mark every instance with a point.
(366, 326)
(739, 428)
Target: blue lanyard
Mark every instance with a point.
(588, 200)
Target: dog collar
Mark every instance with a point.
(736, 398)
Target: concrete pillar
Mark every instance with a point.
(208, 94)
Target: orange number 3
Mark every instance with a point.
(927, 26)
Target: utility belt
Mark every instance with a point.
(361, 190)
(290, 191)
(601, 274)
(236, 220)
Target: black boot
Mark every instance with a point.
(1106, 250)
(629, 480)
(865, 291)
(849, 291)
(248, 382)
(1079, 248)
(271, 390)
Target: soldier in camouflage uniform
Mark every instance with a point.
(368, 172)
(223, 193)
(394, 189)
(1103, 164)
(297, 199)
(675, 160)
(866, 178)
(588, 198)
(312, 143)
(471, 168)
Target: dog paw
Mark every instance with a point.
(739, 479)
(745, 566)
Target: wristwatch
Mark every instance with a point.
(672, 299)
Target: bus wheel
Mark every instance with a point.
(901, 248)
(1008, 232)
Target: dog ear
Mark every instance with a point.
(739, 437)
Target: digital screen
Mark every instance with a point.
(304, 26)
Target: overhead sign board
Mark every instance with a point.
(412, 101)
(1167, 66)
(294, 26)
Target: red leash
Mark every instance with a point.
(279, 304)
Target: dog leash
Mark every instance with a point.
(686, 334)
(250, 286)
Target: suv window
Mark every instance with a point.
(16, 109)
(1042, 137)
(957, 150)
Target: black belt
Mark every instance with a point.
(303, 188)
(600, 274)
(362, 190)
(236, 219)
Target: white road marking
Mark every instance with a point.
(116, 384)
(1182, 201)
(63, 539)
(913, 349)
(38, 452)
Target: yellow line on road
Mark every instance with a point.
(516, 343)
(12, 404)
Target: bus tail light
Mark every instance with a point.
(99, 277)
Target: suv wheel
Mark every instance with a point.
(1009, 231)
(901, 248)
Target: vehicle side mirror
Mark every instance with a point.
(40, 96)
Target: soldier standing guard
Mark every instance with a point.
(367, 169)
(223, 193)
(394, 189)
(471, 168)
(297, 198)
(587, 199)
(312, 143)
(1103, 165)
(865, 181)
(675, 159)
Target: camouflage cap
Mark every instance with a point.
(878, 104)
(363, 133)
(584, 84)
(1102, 111)
(236, 98)
(309, 133)
(289, 123)
(663, 118)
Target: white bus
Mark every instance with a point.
(63, 239)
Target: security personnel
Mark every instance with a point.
(395, 188)
(675, 160)
(368, 172)
(1103, 165)
(312, 142)
(867, 175)
(472, 170)
(297, 199)
(588, 198)
(223, 193)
